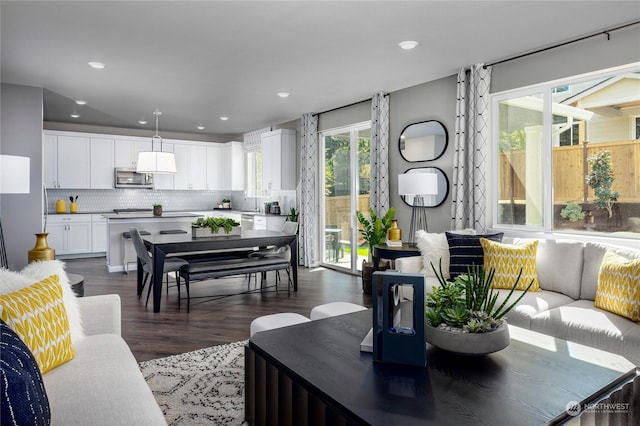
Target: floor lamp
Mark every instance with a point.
(418, 185)
(14, 179)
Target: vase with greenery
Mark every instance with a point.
(226, 203)
(601, 179)
(157, 209)
(214, 224)
(468, 305)
(572, 212)
(374, 231)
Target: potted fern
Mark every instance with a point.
(374, 231)
(464, 315)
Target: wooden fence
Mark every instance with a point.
(338, 212)
(569, 170)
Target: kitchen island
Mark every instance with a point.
(120, 252)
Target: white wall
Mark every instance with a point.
(21, 124)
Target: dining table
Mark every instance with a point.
(162, 245)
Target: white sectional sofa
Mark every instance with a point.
(102, 384)
(564, 307)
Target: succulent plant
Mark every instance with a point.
(215, 223)
(469, 301)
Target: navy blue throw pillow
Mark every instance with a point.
(23, 399)
(465, 250)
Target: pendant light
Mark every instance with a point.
(156, 161)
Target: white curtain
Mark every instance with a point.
(379, 181)
(308, 218)
(471, 149)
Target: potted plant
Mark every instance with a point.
(210, 226)
(373, 231)
(157, 209)
(463, 315)
(226, 203)
(293, 215)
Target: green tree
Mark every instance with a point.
(601, 179)
(513, 140)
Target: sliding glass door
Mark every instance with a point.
(345, 171)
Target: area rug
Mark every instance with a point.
(203, 387)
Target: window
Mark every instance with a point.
(566, 158)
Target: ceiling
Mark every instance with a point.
(198, 61)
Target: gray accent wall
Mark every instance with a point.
(435, 100)
(582, 57)
(21, 125)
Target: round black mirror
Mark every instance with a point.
(442, 185)
(424, 141)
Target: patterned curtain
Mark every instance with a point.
(308, 218)
(471, 149)
(379, 181)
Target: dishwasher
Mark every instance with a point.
(246, 221)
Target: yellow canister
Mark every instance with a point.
(61, 206)
(73, 207)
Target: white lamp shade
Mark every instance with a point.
(156, 162)
(418, 184)
(14, 174)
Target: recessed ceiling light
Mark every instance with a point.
(74, 115)
(96, 65)
(223, 118)
(284, 94)
(81, 102)
(143, 122)
(200, 127)
(408, 44)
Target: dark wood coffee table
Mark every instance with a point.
(314, 373)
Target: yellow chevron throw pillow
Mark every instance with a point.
(507, 260)
(37, 314)
(618, 288)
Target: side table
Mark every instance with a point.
(77, 284)
(382, 251)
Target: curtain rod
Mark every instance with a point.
(346, 106)
(544, 49)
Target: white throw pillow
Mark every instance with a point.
(434, 247)
(38, 271)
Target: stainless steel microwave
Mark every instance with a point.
(129, 178)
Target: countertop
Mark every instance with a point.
(149, 215)
(166, 214)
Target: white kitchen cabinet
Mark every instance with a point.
(101, 166)
(216, 167)
(278, 149)
(268, 222)
(70, 234)
(98, 233)
(126, 152)
(234, 167)
(191, 166)
(66, 161)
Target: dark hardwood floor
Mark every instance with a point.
(212, 322)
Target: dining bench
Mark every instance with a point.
(199, 269)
